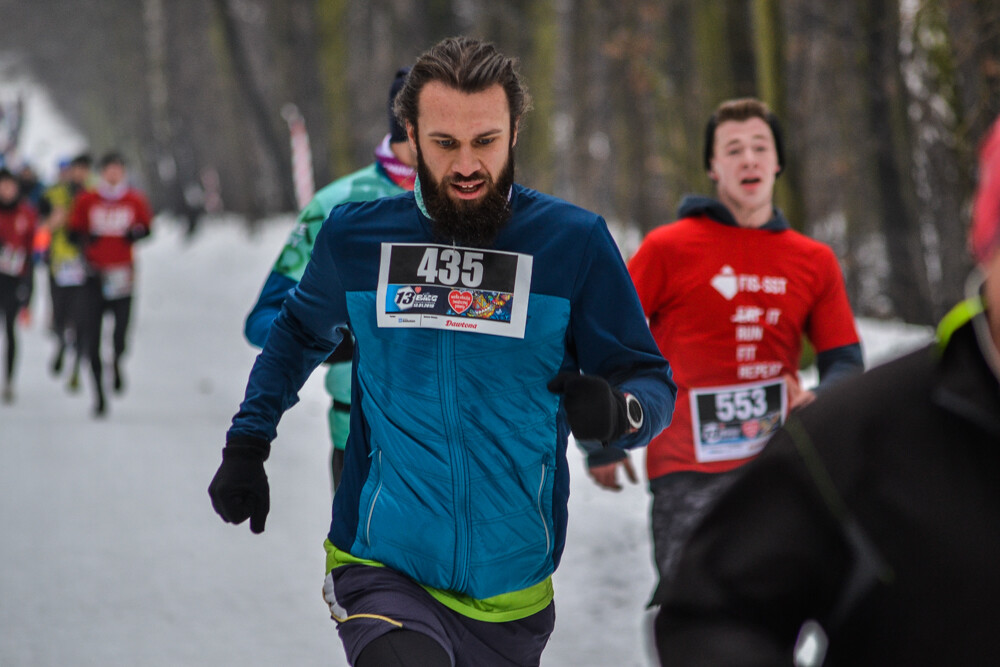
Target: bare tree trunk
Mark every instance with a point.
(939, 156)
(298, 31)
(275, 183)
(908, 285)
(685, 108)
(975, 32)
(333, 60)
(156, 73)
(537, 163)
(639, 186)
(769, 34)
(563, 120)
(829, 146)
(593, 147)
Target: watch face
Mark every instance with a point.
(634, 411)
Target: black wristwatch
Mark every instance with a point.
(633, 410)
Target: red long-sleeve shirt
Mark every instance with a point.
(17, 234)
(110, 223)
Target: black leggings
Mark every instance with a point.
(403, 648)
(67, 304)
(92, 323)
(10, 303)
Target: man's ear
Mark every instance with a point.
(711, 170)
(513, 138)
(411, 136)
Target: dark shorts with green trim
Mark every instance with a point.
(375, 600)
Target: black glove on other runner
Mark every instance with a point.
(239, 490)
(136, 233)
(595, 409)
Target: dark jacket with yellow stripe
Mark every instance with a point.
(875, 511)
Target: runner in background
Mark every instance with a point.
(18, 221)
(66, 266)
(107, 221)
(865, 532)
(729, 290)
(391, 173)
(32, 190)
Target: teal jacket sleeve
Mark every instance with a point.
(268, 305)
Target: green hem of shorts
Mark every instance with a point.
(498, 609)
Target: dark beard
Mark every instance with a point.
(474, 224)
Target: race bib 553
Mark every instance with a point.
(735, 422)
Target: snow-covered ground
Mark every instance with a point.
(110, 553)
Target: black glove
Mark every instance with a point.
(136, 232)
(239, 489)
(343, 352)
(78, 238)
(596, 410)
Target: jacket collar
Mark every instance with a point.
(966, 386)
(713, 209)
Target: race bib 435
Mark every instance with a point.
(447, 287)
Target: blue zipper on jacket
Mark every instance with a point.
(447, 372)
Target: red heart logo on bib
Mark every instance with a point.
(459, 301)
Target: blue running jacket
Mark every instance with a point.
(455, 468)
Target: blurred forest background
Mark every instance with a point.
(882, 101)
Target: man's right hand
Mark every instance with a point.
(606, 475)
(239, 490)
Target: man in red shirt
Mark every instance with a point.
(18, 220)
(729, 290)
(865, 532)
(107, 221)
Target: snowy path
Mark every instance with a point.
(109, 548)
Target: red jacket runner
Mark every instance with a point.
(17, 234)
(728, 307)
(111, 222)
